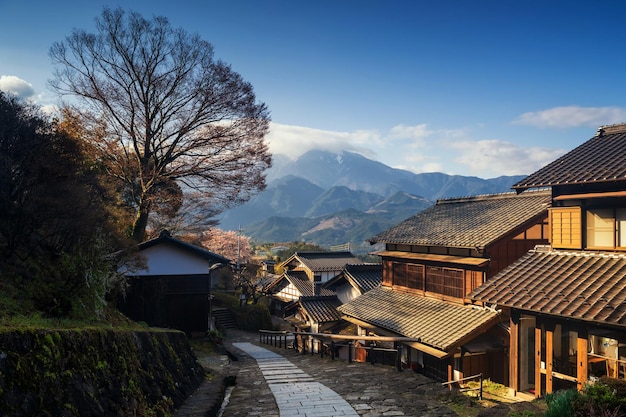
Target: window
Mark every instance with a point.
(445, 281)
(606, 228)
(399, 274)
(408, 275)
(415, 278)
(566, 227)
(434, 279)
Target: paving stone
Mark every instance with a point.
(366, 390)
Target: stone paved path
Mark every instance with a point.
(370, 390)
(297, 394)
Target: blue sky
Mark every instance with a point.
(483, 88)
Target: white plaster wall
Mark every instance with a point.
(165, 259)
(347, 293)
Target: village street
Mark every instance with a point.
(371, 390)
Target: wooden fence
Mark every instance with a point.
(331, 345)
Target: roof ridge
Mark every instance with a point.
(582, 254)
(611, 129)
(494, 196)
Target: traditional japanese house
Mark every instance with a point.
(172, 287)
(566, 303)
(304, 274)
(289, 287)
(355, 280)
(431, 262)
(315, 314)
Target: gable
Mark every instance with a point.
(167, 259)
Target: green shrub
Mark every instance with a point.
(561, 403)
(605, 398)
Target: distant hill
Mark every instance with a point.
(327, 198)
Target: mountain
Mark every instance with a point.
(327, 198)
(326, 170)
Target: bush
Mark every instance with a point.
(561, 403)
(605, 398)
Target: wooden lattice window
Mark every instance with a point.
(566, 227)
(445, 281)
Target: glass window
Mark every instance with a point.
(600, 228)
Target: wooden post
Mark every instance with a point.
(537, 360)
(582, 368)
(398, 348)
(514, 352)
(549, 359)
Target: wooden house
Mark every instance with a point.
(315, 314)
(304, 274)
(355, 280)
(566, 303)
(431, 262)
(172, 287)
(289, 287)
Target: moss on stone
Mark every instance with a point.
(95, 372)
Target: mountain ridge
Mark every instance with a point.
(320, 188)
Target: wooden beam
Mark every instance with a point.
(514, 353)
(582, 368)
(549, 359)
(409, 341)
(537, 362)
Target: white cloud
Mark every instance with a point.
(294, 141)
(572, 116)
(16, 86)
(418, 149)
(493, 158)
(418, 132)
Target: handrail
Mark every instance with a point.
(297, 340)
(480, 388)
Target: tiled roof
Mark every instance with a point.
(437, 323)
(468, 222)
(301, 281)
(578, 285)
(166, 237)
(602, 158)
(362, 276)
(324, 261)
(321, 309)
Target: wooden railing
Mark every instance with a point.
(330, 345)
(458, 381)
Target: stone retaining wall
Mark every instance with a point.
(95, 372)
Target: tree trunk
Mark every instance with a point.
(141, 222)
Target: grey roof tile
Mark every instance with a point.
(468, 222)
(362, 276)
(321, 309)
(324, 261)
(580, 285)
(601, 159)
(437, 323)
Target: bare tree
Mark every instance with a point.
(175, 119)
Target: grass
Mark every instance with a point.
(466, 404)
(112, 319)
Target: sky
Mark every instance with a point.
(475, 88)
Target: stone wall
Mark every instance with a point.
(95, 372)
